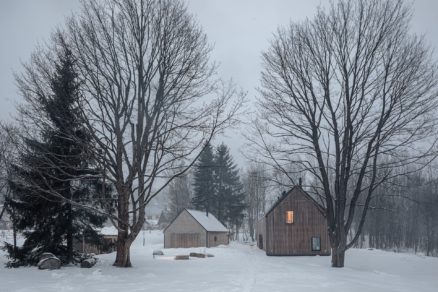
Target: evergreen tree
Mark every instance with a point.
(54, 175)
(229, 203)
(203, 185)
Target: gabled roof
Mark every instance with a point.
(318, 206)
(210, 223)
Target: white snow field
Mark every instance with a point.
(236, 267)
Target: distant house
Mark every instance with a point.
(193, 228)
(106, 243)
(295, 225)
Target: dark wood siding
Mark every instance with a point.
(295, 238)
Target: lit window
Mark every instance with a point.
(316, 243)
(290, 217)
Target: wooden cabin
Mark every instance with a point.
(193, 228)
(295, 225)
(106, 243)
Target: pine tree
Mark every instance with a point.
(54, 172)
(203, 181)
(229, 201)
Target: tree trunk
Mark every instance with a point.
(338, 242)
(123, 241)
(123, 245)
(14, 232)
(251, 227)
(338, 256)
(70, 235)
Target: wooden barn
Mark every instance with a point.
(295, 225)
(106, 244)
(193, 228)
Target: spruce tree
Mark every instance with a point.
(203, 184)
(54, 174)
(229, 201)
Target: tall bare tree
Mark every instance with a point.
(338, 93)
(149, 97)
(179, 195)
(8, 151)
(255, 184)
(4, 151)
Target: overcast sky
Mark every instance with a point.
(239, 30)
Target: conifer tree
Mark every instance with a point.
(203, 181)
(229, 203)
(54, 175)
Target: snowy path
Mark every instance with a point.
(235, 268)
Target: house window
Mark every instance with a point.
(215, 239)
(289, 217)
(316, 243)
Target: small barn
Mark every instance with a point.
(105, 244)
(192, 228)
(295, 225)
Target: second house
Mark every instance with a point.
(192, 228)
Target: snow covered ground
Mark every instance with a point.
(234, 268)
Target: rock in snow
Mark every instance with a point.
(88, 263)
(47, 255)
(51, 263)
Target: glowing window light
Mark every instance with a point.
(290, 217)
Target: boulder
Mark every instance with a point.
(88, 263)
(47, 255)
(52, 263)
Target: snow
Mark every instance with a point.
(210, 223)
(108, 230)
(237, 267)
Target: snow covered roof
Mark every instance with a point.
(210, 223)
(108, 230)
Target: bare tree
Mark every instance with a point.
(255, 184)
(149, 98)
(338, 93)
(179, 195)
(8, 151)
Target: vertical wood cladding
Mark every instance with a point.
(217, 238)
(296, 238)
(184, 231)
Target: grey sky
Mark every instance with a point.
(239, 29)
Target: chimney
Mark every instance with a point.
(300, 182)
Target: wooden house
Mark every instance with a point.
(295, 225)
(193, 228)
(106, 243)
